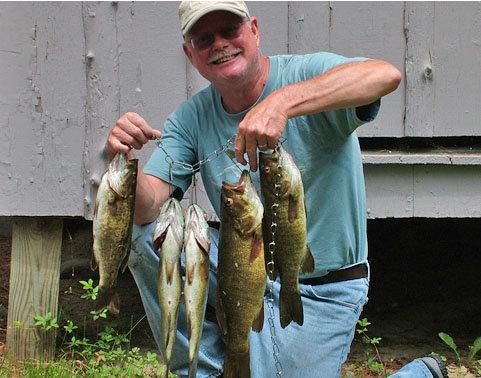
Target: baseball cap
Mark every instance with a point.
(191, 11)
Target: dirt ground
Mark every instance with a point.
(425, 280)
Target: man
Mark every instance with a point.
(314, 102)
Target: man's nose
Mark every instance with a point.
(219, 41)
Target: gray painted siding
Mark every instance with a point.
(70, 69)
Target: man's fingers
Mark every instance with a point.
(147, 132)
(251, 149)
(239, 149)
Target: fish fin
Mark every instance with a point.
(167, 338)
(189, 277)
(308, 263)
(169, 270)
(109, 299)
(220, 315)
(290, 307)
(189, 324)
(158, 241)
(259, 320)
(257, 246)
(166, 374)
(237, 365)
(203, 241)
(193, 368)
(293, 208)
(93, 262)
(114, 304)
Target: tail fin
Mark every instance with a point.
(237, 365)
(167, 371)
(290, 306)
(108, 298)
(193, 368)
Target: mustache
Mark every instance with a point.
(224, 53)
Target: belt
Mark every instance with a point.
(351, 273)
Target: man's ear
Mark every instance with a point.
(255, 29)
(187, 51)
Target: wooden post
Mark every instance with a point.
(34, 286)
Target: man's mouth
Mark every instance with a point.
(223, 57)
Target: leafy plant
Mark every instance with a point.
(375, 365)
(472, 349)
(46, 322)
(91, 291)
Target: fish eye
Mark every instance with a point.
(267, 170)
(228, 202)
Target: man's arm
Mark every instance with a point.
(345, 86)
(132, 131)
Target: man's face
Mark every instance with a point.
(223, 47)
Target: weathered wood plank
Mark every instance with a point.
(44, 111)
(103, 93)
(309, 26)
(389, 191)
(457, 56)
(34, 286)
(447, 191)
(421, 70)
(373, 30)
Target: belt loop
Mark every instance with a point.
(368, 271)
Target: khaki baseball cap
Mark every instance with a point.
(191, 11)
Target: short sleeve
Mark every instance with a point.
(175, 148)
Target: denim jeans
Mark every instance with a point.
(317, 349)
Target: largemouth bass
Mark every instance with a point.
(291, 250)
(112, 227)
(241, 273)
(168, 237)
(196, 247)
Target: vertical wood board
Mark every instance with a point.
(309, 26)
(103, 92)
(373, 30)
(421, 71)
(34, 286)
(457, 75)
(44, 114)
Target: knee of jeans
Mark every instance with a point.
(141, 242)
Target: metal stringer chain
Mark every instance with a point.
(270, 268)
(195, 167)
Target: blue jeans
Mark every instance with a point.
(317, 349)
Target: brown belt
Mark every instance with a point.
(351, 273)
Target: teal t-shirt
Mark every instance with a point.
(324, 147)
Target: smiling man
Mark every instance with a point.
(314, 102)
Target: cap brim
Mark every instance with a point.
(206, 10)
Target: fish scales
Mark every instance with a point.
(112, 226)
(291, 250)
(168, 238)
(241, 273)
(196, 246)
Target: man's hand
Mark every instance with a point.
(130, 131)
(261, 128)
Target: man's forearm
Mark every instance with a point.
(151, 194)
(345, 86)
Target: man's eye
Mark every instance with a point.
(229, 32)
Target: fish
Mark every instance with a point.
(112, 227)
(168, 240)
(241, 273)
(291, 251)
(196, 247)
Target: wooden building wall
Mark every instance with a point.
(69, 69)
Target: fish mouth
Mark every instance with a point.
(240, 185)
